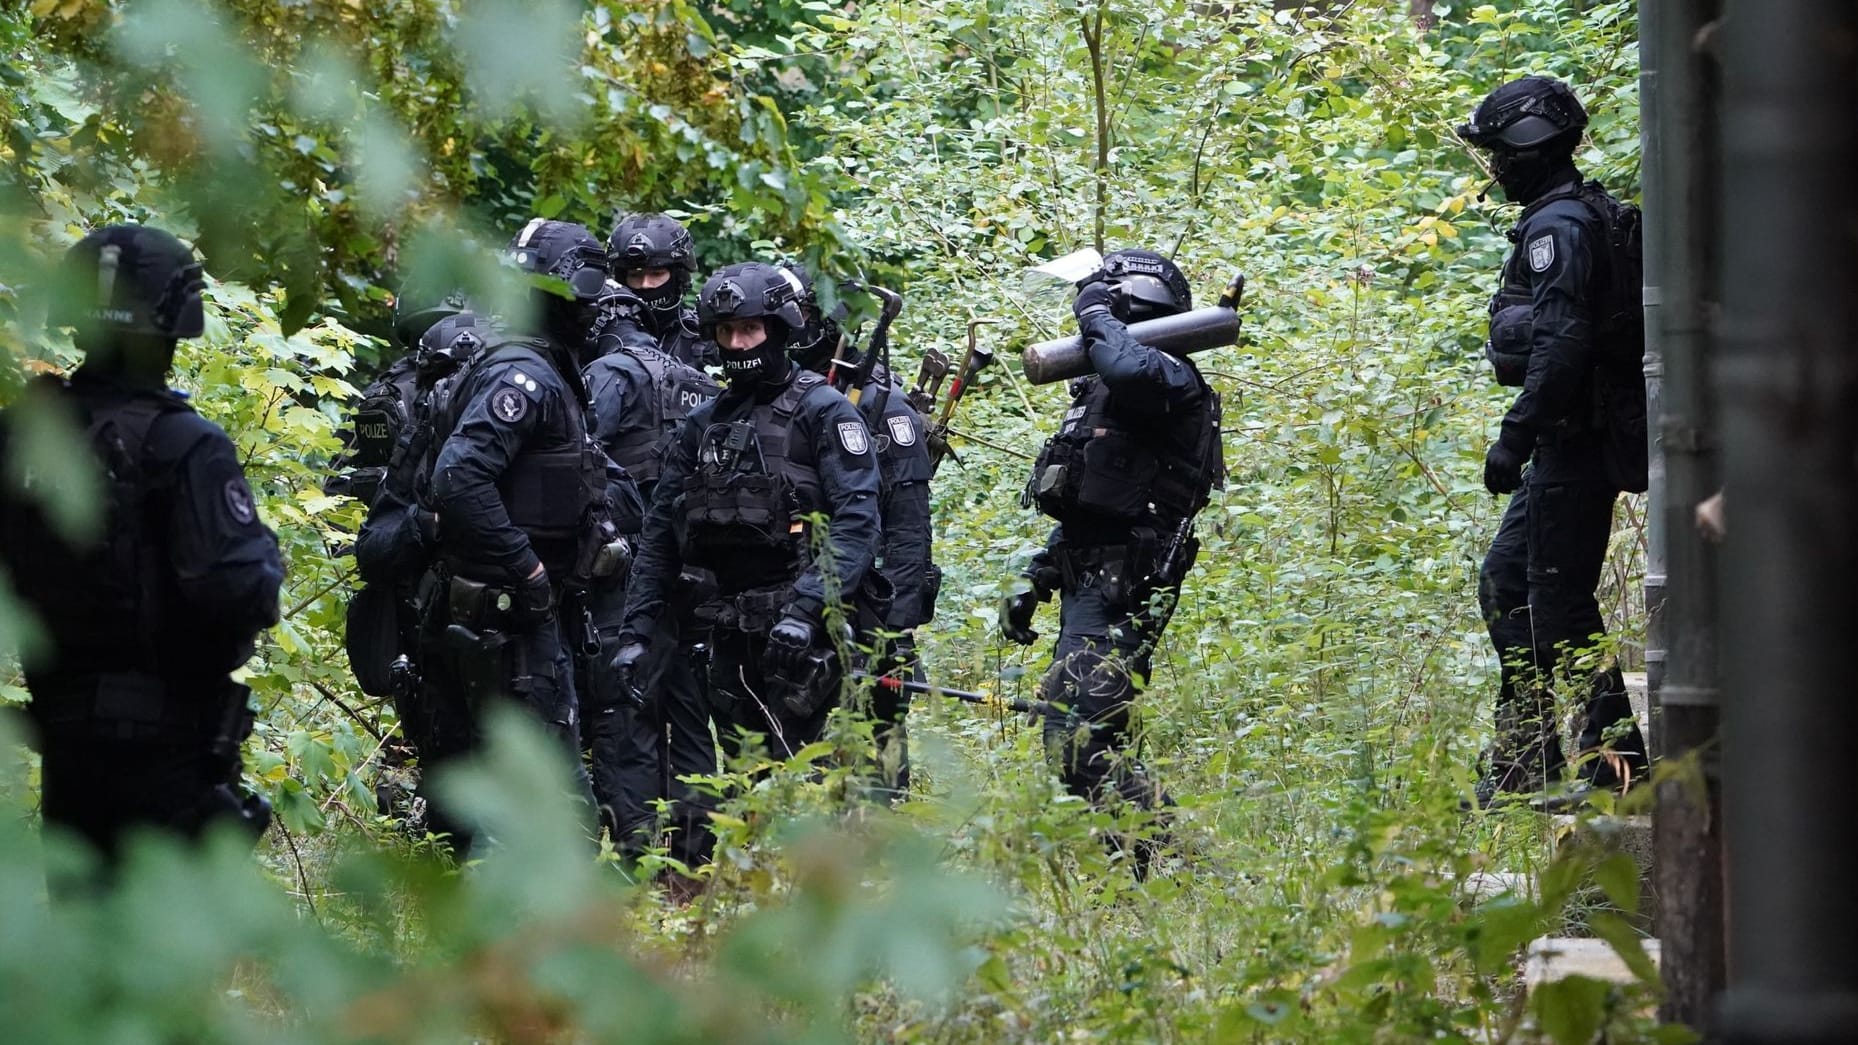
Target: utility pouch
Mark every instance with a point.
(483, 668)
(1116, 476)
(475, 604)
(932, 590)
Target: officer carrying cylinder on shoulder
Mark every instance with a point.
(739, 494)
(527, 507)
(1566, 327)
(900, 590)
(140, 724)
(641, 394)
(1135, 458)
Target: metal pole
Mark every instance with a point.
(1788, 389)
(1653, 51)
(1680, 193)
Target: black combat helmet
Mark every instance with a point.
(653, 241)
(417, 308)
(450, 342)
(824, 334)
(748, 290)
(564, 250)
(131, 279)
(1146, 285)
(1533, 114)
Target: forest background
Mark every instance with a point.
(1320, 700)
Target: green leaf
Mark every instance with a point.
(1570, 1010)
(1627, 943)
(1618, 877)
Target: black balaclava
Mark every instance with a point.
(766, 362)
(1525, 179)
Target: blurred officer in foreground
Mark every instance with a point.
(1136, 457)
(1567, 327)
(146, 614)
(747, 476)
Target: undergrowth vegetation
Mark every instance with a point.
(1320, 699)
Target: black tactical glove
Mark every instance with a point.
(789, 642)
(534, 600)
(1503, 468)
(1094, 296)
(627, 664)
(1016, 612)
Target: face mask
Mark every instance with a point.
(766, 360)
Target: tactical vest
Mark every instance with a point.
(751, 486)
(684, 342)
(104, 602)
(381, 417)
(1097, 464)
(882, 404)
(1617, 289)
(548, 489)
(644, 436)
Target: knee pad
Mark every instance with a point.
(1089, 683)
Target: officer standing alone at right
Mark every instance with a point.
(1566, 328)
(140, 723)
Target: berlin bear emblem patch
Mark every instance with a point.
(1541, 253)
(239, 502)
(509, 405)
(853, 437)
(901, 431)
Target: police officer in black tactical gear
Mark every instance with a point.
(653, 256)
(1136, 457)
(147, 616)
(739, 494)
(527, 507)
(899, 594)
(386, 440)
(641, 394)
(1557, 330)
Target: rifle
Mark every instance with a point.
(976, 360)
(1029, 707)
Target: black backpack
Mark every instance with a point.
(1619, 333)
(380, 417)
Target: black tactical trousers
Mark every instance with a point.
(1105, 640)
(532, 668)
(640, 755)
(1536, 590)
(879, 653)
(750, 714)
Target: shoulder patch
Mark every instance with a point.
(853, 437)
(508, 405)
(238, 498)
(902, 432)
(1541, 253)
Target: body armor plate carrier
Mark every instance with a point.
(1099, 465)
(749, 489)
